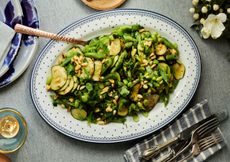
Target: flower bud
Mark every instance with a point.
(221, 10)
(192, 10)
(215, 7)
(196, 16)
(195, 2)
(204, 9)
(202, 20)
(228, 10)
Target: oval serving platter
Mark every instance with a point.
(102, 23)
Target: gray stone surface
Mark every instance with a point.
(44, 144)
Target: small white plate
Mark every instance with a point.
(12, 14)
(28, 46)
(102, 23)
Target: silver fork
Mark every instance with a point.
(200, 132)
(203, 144)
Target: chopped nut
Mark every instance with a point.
(141, 30)
(97, 110)
(173, 51)
(111, 94)
(98, 119)
(145, 81)
(114, 112)
(115, 102)
(153, 66)
(71, 99)
(111, 81)
(145, 86)
(62, 105)
(116, 97)
(148, 43)
(82, 87)
(84, 64)
(139, 96)
(81, 59)
(101, 122)
(104, 90)
(109, 109)
(47, 87)
(55, 97)
(152, 54)
(77, 67)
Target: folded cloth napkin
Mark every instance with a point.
(195, 114)
(7, 34)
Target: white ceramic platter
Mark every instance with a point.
(102, 23)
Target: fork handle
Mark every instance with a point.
(155, 150)
(31, 31)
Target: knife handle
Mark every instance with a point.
(166, 156)
(155, 150)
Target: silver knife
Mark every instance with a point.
(183, 136)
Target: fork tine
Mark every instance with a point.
(215, 140)
(210, 144)
(210, 141)
(208, 128)
(209, 121)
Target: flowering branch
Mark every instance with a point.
(211, 18)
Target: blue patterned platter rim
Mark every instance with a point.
(102, 23)
(28, 46)
(12, 15)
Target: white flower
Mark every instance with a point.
(205, 32)
(213, 26)
(196, 16)
(208, 0)
(202, 20)
(204, 9)
(195, 2)
(215, 7)
(228, 10)
(192, 10)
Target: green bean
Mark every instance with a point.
(168, 43)
(95, 55)
(115, 76)
(171, 57)
(119, 61)
(106, 65)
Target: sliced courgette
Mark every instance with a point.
(75, 83)
(115, 47)
(59, 77)
(79, 114)
(59, 59)
(68, 89)
(161, 49)
(65, 85)
(122, 111)
(178, 70)
(97, 71)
